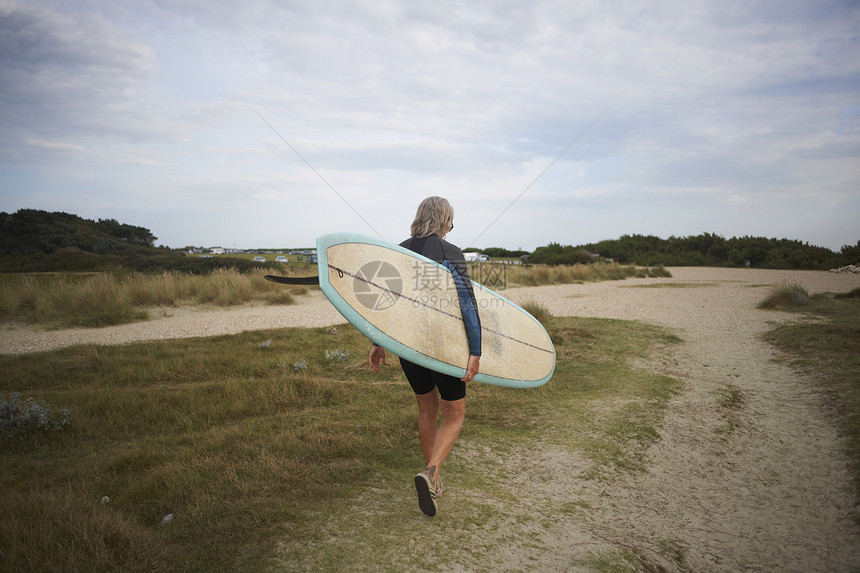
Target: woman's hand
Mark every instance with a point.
(377, 354)
(472, 368)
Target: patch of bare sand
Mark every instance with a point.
(310, 310)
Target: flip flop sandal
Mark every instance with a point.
(439, 490)
(426, 494)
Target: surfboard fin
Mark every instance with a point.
(314, 280)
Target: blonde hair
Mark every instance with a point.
(435, 215)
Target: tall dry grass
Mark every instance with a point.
(537, 275)
(785, 295)
(91, 301)
(105, 299)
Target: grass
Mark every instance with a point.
(784, 296)
(850, 294)
(827, 346)
(537, 310)
(257, 461)
(537, 275)
(675, 285)
(105, 299)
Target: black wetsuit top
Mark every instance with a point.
(437, 249)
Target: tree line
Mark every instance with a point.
(42, 241)
(33, 240)
(706, 249)
(32, 232)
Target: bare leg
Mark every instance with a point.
(436, 444)
(453, 414)
(428, 409)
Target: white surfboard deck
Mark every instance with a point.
(408, 304)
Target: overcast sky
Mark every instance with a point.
(735, 118)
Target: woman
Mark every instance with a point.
(433, 221)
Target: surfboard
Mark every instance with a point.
(408, 304)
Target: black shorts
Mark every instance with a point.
(424, 380)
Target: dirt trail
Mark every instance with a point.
(760, 487)
(310, 310)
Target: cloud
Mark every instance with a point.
(713, 109)
(72, 80)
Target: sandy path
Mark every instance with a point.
(771, 495)
(310, 310)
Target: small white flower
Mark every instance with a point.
(337, 355)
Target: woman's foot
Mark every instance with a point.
(440, 489)
(426, 493)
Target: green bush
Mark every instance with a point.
(556, 254)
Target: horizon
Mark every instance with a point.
(619, 237)
(560, 243)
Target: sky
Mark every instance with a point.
(268, 123)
